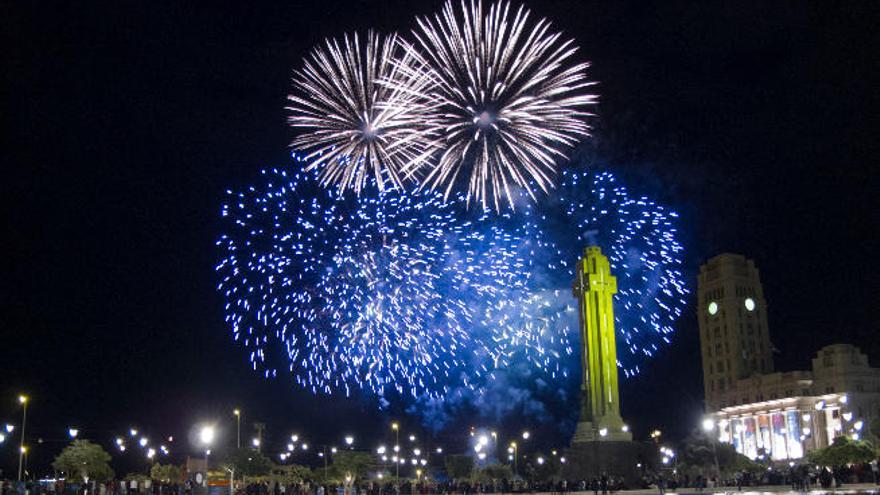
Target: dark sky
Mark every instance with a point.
(124, 123)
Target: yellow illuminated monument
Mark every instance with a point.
(594, 288)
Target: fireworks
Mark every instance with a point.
(640, 238)
(406, 293)
(508, 100)
(377, 293)
(358, 130)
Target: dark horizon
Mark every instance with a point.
(126, 123)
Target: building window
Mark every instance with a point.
(829, 390)
(719, 367)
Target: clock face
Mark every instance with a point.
(713, 307)
(750, 304)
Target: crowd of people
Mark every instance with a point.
(802, 477)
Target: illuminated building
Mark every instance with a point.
(734, 339)
(777, 415)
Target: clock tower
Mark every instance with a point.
(732, 315)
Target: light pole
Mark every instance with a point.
(206, 436)
(23, 400)
(396, 427)
(709, 427)
(237, 414)
(515, 448)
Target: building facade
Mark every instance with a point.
(734, 340)
(777, 415)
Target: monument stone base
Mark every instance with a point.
(619, 459)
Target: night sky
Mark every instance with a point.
(123, 125)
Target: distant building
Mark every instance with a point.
(734, 341)
(779, 415)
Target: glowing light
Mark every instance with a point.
(9, 428)
(72, 432)
(349, 440)
(358, 126)
(750, 304)
(603, 432)
(378, 294)
(206, 435)
(509, 100)
(143, 441)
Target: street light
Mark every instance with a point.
(526, 435)
(23, 400)
(73, 432)
(206, 437)
(255, 442)
(514, 449)
(709, 427)
(396, 427)
(237, 414)
(349, 440)
(9, 428)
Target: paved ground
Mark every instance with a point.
(755, 490)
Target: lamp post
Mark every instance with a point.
(396, 427)
(23, 400)
(515, 448)
(237, 414)
(709, 427)
(206, 436)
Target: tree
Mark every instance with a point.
(698, 454)
(248, 462)
(349, 465)
(84, 460)
(544, 468)
(842, 452)
(167, 472)
(459, 466)
(496, 472)
(292, 473)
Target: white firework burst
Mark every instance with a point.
(508, 100)
(356, 129)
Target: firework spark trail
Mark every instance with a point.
(357, 130)
(505, 97)
(405, 293)
(640, 238)
(376, 293)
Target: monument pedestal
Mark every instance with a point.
(615, 459)
(606, 431)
